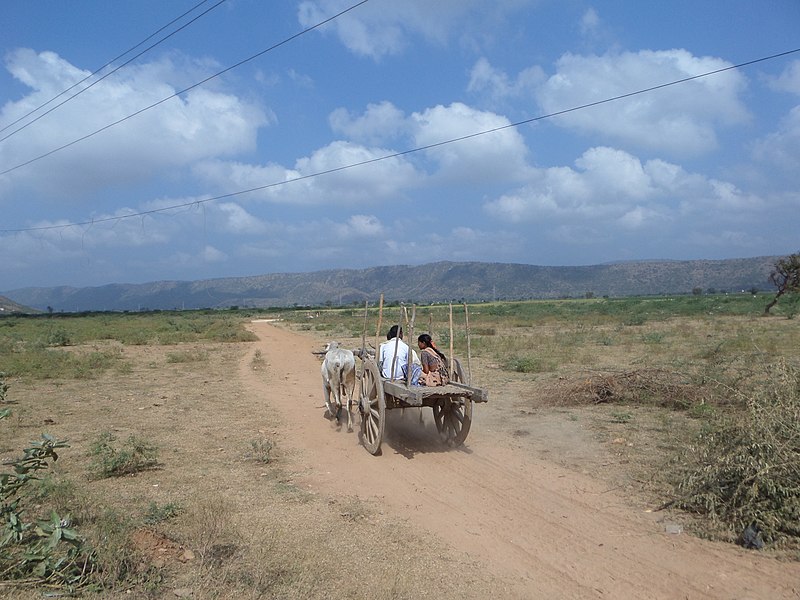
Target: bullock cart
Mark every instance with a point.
(451, 404)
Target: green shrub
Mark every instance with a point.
(621, 417)
(46, 551)
(526, 364)
(261, 450)
(3, 387)
(58, 337)
(229, 330)
(159, 513)
(133, 456)
(654, 337)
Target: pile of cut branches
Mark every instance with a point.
(653, 387)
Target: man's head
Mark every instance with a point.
(393, 333)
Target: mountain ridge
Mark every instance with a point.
(433, 282)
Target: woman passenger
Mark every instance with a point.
(434, 363)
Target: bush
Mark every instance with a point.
(58, 337)
(45, 551)
(133, 456)
(526, 364)
(745, 470)
(261, 450)
(159, 513)
(3, 387)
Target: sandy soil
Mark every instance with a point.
(544, 529)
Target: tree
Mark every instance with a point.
(785, 277)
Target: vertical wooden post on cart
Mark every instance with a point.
(452, 358)
(378, 332)
(469, 349)
(409, 361)
(364, 330)
(397, 342)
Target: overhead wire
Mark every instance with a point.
(183, 91)
(405, 152)
(109, 63)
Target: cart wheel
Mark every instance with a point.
(372, 405)
(453, 417)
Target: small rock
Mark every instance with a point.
(673, 528)
(618, 441)
(183, 592)
(187, 556)
(751, 537)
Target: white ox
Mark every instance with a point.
(338, 376)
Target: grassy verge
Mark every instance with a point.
(66, 346)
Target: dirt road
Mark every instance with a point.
(549, 532)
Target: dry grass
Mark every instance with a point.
(244, 529)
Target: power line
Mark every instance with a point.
(183, 91)
(57, 96)
(404, 152)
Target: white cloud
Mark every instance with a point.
(638, 217)
(611, 188)
(201, 124)
(211, 254)
(369, 183)
(238, 221)
(590, 21)
(324, 242)
(499, 86)
(782, 148)
(722, 201)
(617, 173)
(788, 80)
(377, 180)
(382, 29)
(380, 122)
(359, 227)
(679, 119)
(500, 155)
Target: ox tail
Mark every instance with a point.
(338, 372)
(341, 369)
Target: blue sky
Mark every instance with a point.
(706, 169)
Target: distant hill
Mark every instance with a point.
(8, 307)
(442, 281)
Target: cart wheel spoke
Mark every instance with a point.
(373, 429)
